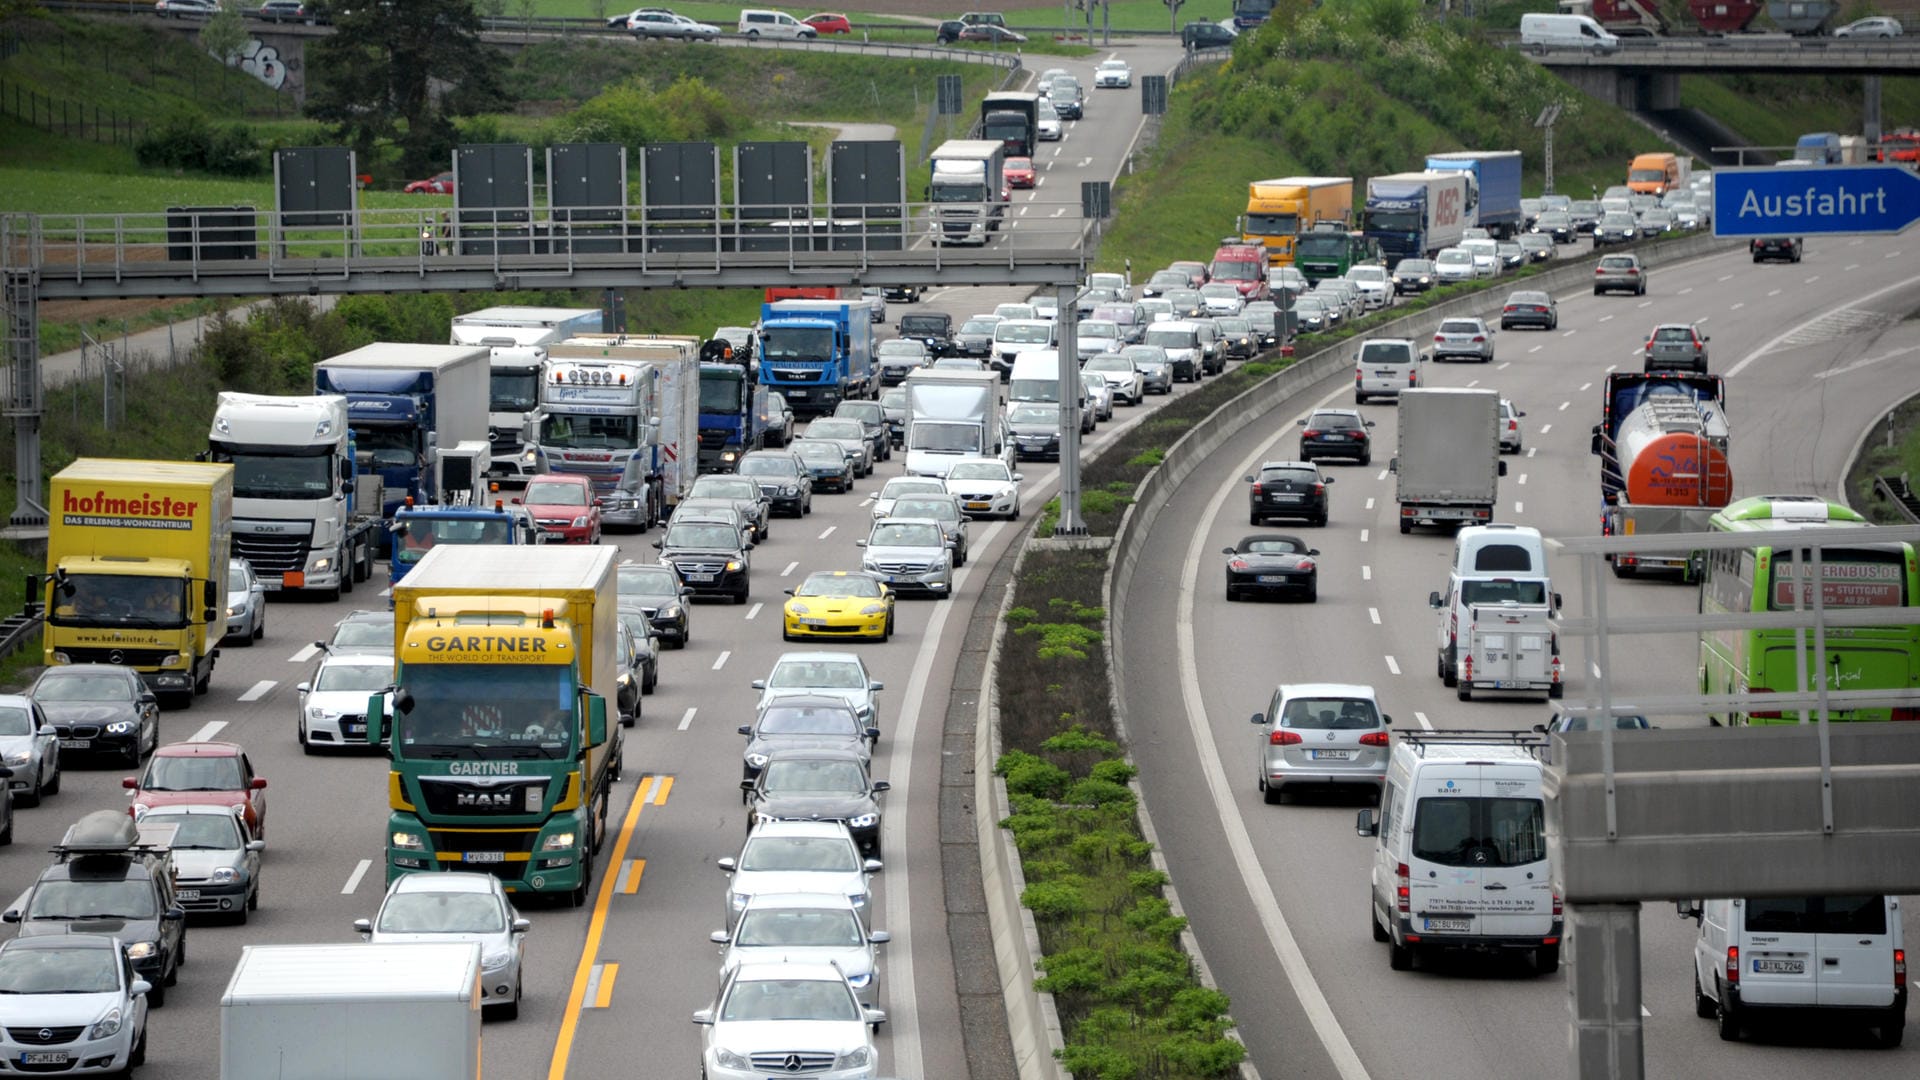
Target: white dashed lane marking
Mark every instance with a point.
(259, 690)
(721, 660)
(1374, 614)
(791, 567)
(353, 880)
(304, 655)
(207, 731)
(754, 610)
(686, 719)
(1393, 665)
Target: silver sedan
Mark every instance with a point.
(458, 907)
(246, 604)
(31, 749)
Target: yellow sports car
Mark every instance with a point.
(839, 603)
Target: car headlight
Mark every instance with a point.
(737, 901)
(671, 611)
(580, 522)
(120, 727)
(734, 566)
(318, 713)
(860, 981)
(407, 841)
(863, 821)
(758, 761)
(225, 875)
(874, 609)
(727, 1059)
(107, 1026)
(19, 757)
(496, 960)
(233, 612)
(856, 1058)
(795, 607)
(140, 950)
(560, 841)
(320, 565)
(790, 489)
(170, 659)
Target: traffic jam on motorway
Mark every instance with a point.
(555, 508)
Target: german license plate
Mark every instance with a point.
(1271, 579)
(796, 393)
(188, 894)
(483, 856)
(813, 622)
(1457, 926)
(45, 1057)
(1779, 967)
(1286, 498)
(700, 577)
(1333, 755)
(1334, 438)
(76, 744)
(1505, 684)
(270, 584)
(353, 729)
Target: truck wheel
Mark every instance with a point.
(1399, 957)
(1556, 691)
(1729, 1020)
(1405, 526)
(1546, 959)
(1464, 691)
(1702, 1004)
(1449, 672)
(346, 571)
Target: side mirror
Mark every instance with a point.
(876, 684)
(1313, 551)
(1328, 479)
(256, 845)
(1247, 479)
(47, 729)
(140, 986)
(882, 785)
(1385, 720)
(258, 783)
(10, 916)
(1541, 728)
(747, 730)
(746, 785)
(1369, 423)
(1366, 824)
(872, 866)
(1302, 422)
(859, 543)
(377, 719)
(1019, 476)
(758, 684)
(1259, 718)
(1226, 551)
(596, 719)
(659, 544)
(1556, 600)
(363, 927)
(521, 926)
(704, 1016)
(879, 937)
(726, 864)
(874, 1016)
(1516, 412)
(1433, 599)
(872, 734)
(174, 914)
(1393, 465)
(130, 783)
(787, 592)
(1686, 909)
(719, 937)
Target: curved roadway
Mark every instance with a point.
(1816, 352)
(324, 868)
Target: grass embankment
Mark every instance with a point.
(1351, 90)
(1884, 456)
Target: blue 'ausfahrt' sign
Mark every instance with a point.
(1815, 200)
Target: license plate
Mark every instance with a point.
(1271, 579)
(269, 584)
(1505, 684)
(483, 856)
(1333, 755)
(45, 1057)
(188, 894)
(796, 393)
(1779, 967)
(817, 623)
(1386, 374)
(75, 744)
(700, 577)
(1284, 498)
(353, 729)
(1458, 926)
(979, 505)
(1333, 438)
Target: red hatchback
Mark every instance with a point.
(437, 184)
(205, 773)
(564, 507)
(829, 23)
(1019, 172)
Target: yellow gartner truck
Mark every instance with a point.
(1282, 208)
(503, 762)
(137, 569)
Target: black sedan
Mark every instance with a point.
(1528, 308)
(1336, 433)
(1272, 564)
(818, 785)
(657, 592)
(827, 462)
(1295, 489)
(99, 709)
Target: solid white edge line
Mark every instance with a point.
(353, 879)
(1233, 827)
(1848, 306)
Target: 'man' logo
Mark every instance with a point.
(485, 800)
(1446, 207)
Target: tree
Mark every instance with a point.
(401, 72)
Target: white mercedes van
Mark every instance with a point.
(1839, 956)
(1550, 31)
(757, 23)
(1385, 366)
(1460, 852)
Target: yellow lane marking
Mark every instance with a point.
(660, 793)
(607, 973)
(576, 996)
(634, 870)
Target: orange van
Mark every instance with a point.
(1654, 174)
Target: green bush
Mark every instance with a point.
(189, 144)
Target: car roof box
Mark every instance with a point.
(102, 831)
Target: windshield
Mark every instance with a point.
(797, 343)
(836, 429)
(943, 438)
(131, 899)
(550, 493)
(1485, 833)
(1116, 362)
(720, 391)
(1023, 333)
(1393, 221)
(725, 487)
(1454, 257)
(799, 928)
(979, 470)
(1238, 270)
(514, 391)
(1646, 176)
(488, 711)
(58, 685)
(1272, 224)
(767, 466)
(71, 971)
(15, 720)
(367, 677)
(91, 599)
(699, 535)
(922, 324)
(193, 774)
(899, 535)
(365, 632)
(423, 533)
(808, 720)
(829, 853)
(838, 585)
(580, 431)
(939, 509)
(903, 348)
(789, 999)
(813, 777)
(386, 445)
(1033, 414)
(962, 191)
(1170, 339)
(978, 326)
(817, 674)
(651, 581)
(442, 913)
(280, 476)
(828, 455)
(1481, 591)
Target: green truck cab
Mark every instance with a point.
(502, 759)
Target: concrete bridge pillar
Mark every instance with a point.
(1870, 112)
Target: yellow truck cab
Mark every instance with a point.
(136, 575)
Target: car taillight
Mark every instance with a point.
(1259, 488)
(1466, 668)
(1310, 433)
(1764, 714)
(1238, 564)
(1556, 682)
(1319, 489)
(1599, 272)
(1509, 309)
(1905, 714)
(1403, 890)
(1440, 339)
(1306, 564)
(1479, 337)
(1284, 738)
(1374, 738)
(1733, 964)
(1633, 270)
(1413, 378)
(1899, 969)
(1556, 903)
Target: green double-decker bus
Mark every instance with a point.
(1761, 578)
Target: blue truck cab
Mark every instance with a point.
(419, 529)
(733, 407)
(817, 353)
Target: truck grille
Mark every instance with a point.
(797, 1061)
(504, 440)
(129, 657)
(272, 555)
(477, 840)
(44, 1036)
(714, 438)
(483, 798)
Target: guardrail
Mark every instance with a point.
(1895, 489)
(15, 630)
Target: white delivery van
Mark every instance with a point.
(757, 22)
(1837, 956)
(1460, 852)
(1499, 548)
(1549, 31)
(1035, 377)
(1386, 366)
(1496, 633)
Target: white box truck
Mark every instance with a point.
(518, 338)
(1448, 467)
(352, 1012)
(625, 410)
(951, 415)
